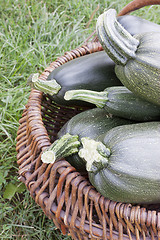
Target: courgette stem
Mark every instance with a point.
(97, 98)
(122, 39)
(119, 44)
(47, 86)
(113, 53)
(63, 147)
(94, 153)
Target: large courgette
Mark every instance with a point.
(123, 164)
(120, 102)
(93, 71)
(137, 58)
(90, 123)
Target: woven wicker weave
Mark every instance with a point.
(65, 196)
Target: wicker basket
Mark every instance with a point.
(64, 194)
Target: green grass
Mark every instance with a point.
(32, 35)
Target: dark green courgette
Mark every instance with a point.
(120, 102)
(135, 25)
(93, 71)
(125, 166)
(90, 123)
(137, 58)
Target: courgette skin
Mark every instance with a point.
(130, 173)
(136, 25)
(142, 74)
(123, 103)
(89, 123)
